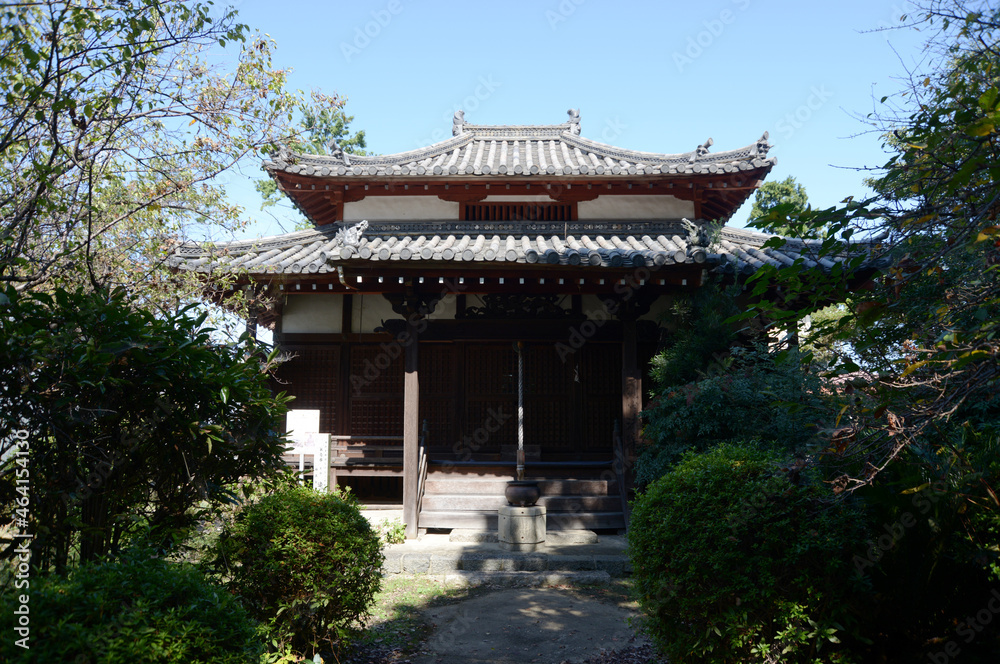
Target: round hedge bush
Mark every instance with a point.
(138, 609)
(306, 564)
(734, 563)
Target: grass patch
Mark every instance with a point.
(397, 621)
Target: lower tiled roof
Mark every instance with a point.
(320, 251)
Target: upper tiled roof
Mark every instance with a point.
(506, 150)
(321, 251)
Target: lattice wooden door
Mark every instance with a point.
(376, 391)
(490, 395)
(312, 375)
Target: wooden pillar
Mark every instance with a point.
(252, 313)
(411, 430)
(631, 395)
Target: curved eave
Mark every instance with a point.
(511, 155)
(317, 252)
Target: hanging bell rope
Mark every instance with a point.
(519, 347)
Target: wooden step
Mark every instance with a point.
(487, 519)
(507, 472)
(462, 502)
(557, 487)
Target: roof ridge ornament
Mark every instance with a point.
(458, 123)
(574, 121)
(337, 152)
(763, 145)
(697, 234)
(282, 155)
(701, 150)
(350, 236)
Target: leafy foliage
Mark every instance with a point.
(323, 124)
(776, 202)
(117, 137)
(306, 564)
(133, 420)
(933, 311)
(756, 395)
(391, 531)
(732, 562)
(702, 335)
(137, 609)
(933, 559)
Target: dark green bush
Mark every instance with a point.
(735, 563)
(135, 421)
(306, 564)
(138, 609)
(761, 395)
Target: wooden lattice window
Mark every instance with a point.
(518, 212)
(312, 376)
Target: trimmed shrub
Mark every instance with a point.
(733, 562)
(306, 564)
(138, 609)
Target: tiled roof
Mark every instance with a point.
(505, 150)
(320, 251)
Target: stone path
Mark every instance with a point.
(545, 625)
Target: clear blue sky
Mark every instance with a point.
(655, 76)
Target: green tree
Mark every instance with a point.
(775, 203)
(116, 135)
(129, 423)
(323, 125)
(701, 335)
(933, 309)
(920, 436)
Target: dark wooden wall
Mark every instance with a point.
(468, 395)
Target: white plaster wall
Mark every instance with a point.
(507, 198)
(658, 309)
(635, 207)
(445, 309)
(312, 314)
(594, 309)
(370, 309)
(368, 312)
(393, 208)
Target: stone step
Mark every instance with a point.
(490, 486)
(552, 538)
(553, 504)
(487, 520)
(527, 579)
(399, 562)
